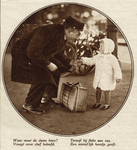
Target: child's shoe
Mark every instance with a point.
(106, 106)
(96, 105)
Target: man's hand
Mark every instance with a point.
(52, 67)
(79, 62)
(72, 62)
(76, 63)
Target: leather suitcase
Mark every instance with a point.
(74, 96)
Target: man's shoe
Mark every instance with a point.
(44, 101)
(47, 101)
(30, 108)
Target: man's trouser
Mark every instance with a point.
(36, 91)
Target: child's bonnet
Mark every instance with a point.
(108, 45)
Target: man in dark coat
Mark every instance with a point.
(38, 59)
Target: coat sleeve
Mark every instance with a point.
(116, 68)
(64, 59)
(88, 61)
(39, 41)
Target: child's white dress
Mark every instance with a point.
(107, 70)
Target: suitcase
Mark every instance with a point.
(73, 96)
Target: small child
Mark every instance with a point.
(107, 72)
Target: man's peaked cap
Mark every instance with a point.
(75, 23)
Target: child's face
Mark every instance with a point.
(101, 48)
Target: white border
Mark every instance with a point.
(122, 129)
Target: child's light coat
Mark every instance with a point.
(107, 70)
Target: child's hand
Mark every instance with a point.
(118, 80)
(82, 58)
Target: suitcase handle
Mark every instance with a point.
(73, 84)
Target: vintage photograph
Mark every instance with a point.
(67, 69)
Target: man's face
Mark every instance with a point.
(72, 35)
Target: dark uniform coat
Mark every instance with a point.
(31, 55)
